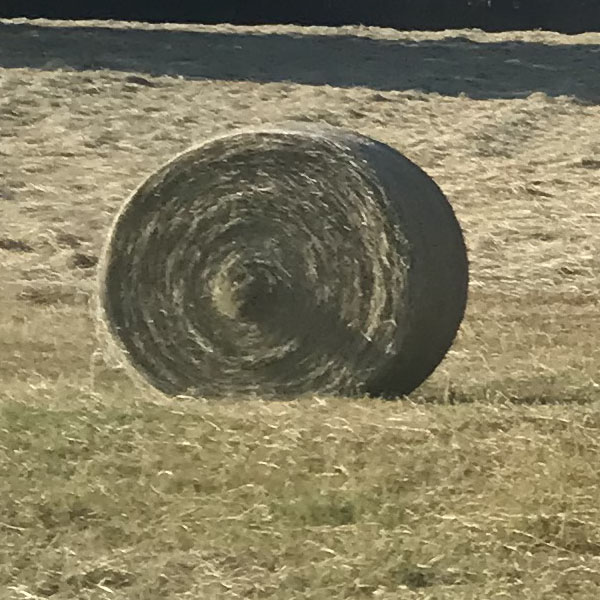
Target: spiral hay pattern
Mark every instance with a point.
(283, 262)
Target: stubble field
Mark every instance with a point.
(484, 483)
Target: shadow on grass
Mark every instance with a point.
(526, 395)
(505, 69)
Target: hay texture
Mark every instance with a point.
(285, 261)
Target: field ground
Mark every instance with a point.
(485, 483)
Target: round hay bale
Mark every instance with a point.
(284, 261)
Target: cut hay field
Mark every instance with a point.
(483, 484)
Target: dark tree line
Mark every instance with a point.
(569, 16)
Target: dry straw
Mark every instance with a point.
(285, 261)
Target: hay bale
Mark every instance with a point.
(284, 261)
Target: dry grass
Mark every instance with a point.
(484, 484)
(112, 497)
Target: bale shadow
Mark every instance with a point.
(452, 66)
